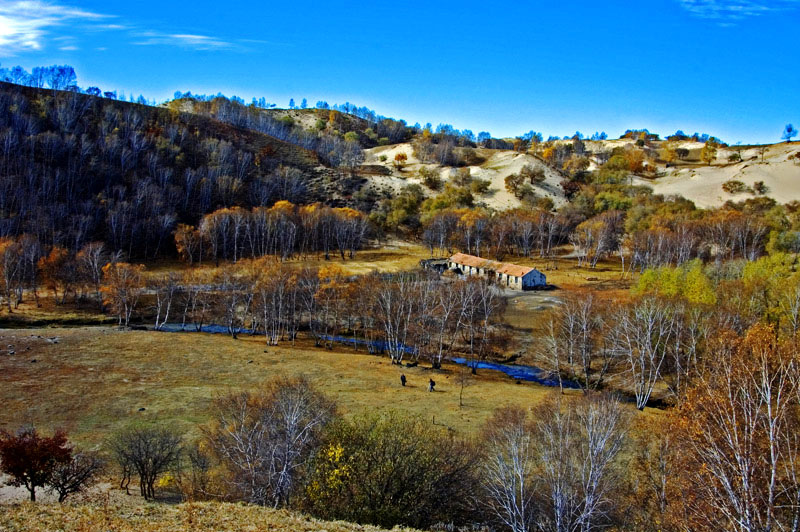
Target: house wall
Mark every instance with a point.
(534, 279)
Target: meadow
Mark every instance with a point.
(96, 380)
(187, 517)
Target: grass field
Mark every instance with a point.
(391, 257)
(187, 517)
(395, 256)
(95, 380)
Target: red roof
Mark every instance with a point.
(513, 270)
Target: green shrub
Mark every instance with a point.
(430, 178)
(479, 186)
(390, 469)
(734, 187)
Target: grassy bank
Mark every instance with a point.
(188, 517)
(95, 380)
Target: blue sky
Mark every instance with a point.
(728, 68)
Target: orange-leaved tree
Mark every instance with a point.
(59, 272)
(739, 436)
(122, 287)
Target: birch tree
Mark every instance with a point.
(642, 337)
(265, 439)
(740, 436)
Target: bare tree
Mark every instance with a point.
(556, 470)
(122, 286)
(150, 452)
(76, 475)
(91, 259)
(740, 436)
(576, 342)
(266, 439)
(165, 288)
(643, 337)
(507, 469)
(395, 310)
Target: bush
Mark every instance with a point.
(461, 177)
(76, 475)
(30, 459)
(430, 178)
(149, 452)
(534, 175)
(734, 187)
(400, 160)
(265, 439)
(527, 194)
(513, 183)
(479, 186)
(469, 157)
(545, 204)
(392, 469)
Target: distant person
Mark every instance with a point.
(431, 384)
(403, 379)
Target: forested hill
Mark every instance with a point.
(76, 168)
(329, 132)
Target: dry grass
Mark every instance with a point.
(392, 257)
(188, 517)
(395, 256)
(95, 380)
(29, 315)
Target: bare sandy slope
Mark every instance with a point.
(503, 163)
(703, 184)
(499, 165)
(699, 183)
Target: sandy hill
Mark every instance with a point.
(497, 166)
(779, 170)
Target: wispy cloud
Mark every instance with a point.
(25, 24)
(184, 40)
(729, 12)
(32, 25)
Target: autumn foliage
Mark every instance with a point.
(31, 459)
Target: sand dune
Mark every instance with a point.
(499, 164)
(703, 184)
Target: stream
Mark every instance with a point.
(515, 371)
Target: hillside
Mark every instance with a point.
(497, 165)
(776, 165)
(188, 517)
(779, 170)
(76, 168)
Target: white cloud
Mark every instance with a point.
(728, 12)
(25, 24)
(184, 40)
(30, 25)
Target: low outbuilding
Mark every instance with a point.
(504, 274)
